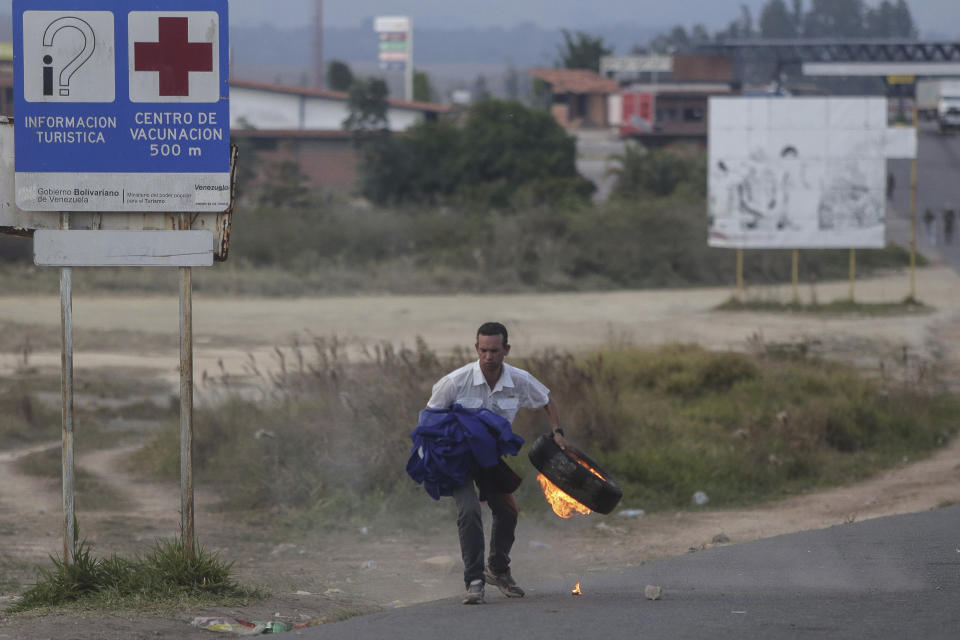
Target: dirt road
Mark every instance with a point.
(314, 575)
(142, 331)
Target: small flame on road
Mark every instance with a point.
(576, 590)
(563, 505)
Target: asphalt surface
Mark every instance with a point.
(883, 579)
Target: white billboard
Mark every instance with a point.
(800, 173)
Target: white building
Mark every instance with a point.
(262, 105)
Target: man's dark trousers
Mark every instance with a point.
(470, 527)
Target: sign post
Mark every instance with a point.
(66, 392)
(123, 106)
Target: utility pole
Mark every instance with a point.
(318, 44)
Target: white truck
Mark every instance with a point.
(939, 100)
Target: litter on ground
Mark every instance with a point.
(249, 628)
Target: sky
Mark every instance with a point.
(932, 16)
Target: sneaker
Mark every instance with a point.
(474, 593)
(504, 582)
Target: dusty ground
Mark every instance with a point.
(312, 575)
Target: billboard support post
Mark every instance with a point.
(913, 215)
(66, 392)
(795, 273)
(740, 275)
(853, 272)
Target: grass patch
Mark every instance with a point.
(166, 576)
(907, 306)
(747, 428)
(330, 447)
(91, 493)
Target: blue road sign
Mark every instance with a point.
(122, 105)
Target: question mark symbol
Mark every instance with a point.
(89, 43)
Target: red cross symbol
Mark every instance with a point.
(173, 56)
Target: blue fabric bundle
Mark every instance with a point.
(450, 444)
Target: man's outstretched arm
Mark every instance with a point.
(553, 415)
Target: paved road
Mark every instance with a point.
(883, 579)
(938, 189)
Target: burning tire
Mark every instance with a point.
(575, 474)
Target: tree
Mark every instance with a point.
(741, 28)
(480, 89)
(285, 186)
(422, 88)
(699, 34)
(889, 20)
(835, 18)
(581, 51)
(797, 16)
(503, 149)
(643, 174)
(511, 83)
(367, 104)
(776, 21)
(904, 20)
(513, 148)
(339, 76)
(676, 40)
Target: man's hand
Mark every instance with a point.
(559, 439)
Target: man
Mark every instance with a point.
(491, 384)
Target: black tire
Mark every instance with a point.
(564, 469)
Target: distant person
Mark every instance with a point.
(489, 383)
(930, 229)
(891, 185)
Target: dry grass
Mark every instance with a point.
(331, 440)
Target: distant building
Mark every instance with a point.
(578, 97)
(282, 122)
(663, 98)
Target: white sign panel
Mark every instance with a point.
(636, 64)
(75, 56)
(386, 24)
(197, 38)
(123, 248)
(800, 172)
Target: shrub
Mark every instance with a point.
(166, 573)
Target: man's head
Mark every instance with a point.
(492, 347)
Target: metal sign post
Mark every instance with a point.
(186, 410)
(66, 391)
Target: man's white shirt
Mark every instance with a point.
(467, 387)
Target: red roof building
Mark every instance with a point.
(578, 97)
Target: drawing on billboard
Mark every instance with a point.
(800, 172)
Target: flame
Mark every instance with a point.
(584, 464)
(576, 590)
(563, 505)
